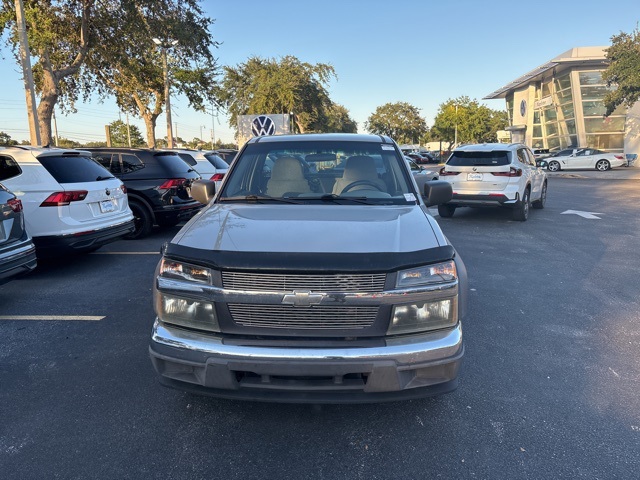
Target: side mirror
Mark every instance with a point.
(435, 192)
(203, 190)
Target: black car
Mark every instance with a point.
(17, 252)
(158, 185)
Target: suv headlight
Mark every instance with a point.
(183, 311)
(429, 315)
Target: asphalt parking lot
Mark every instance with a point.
(549, 387)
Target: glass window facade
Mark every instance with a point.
(557, 120)
(606, 133)
(571, 110)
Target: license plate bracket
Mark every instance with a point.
(107, 206)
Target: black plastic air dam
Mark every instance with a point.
(315, 397)
(309, 262)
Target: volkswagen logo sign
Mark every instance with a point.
(262, 126)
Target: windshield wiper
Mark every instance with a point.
(332, 197)
(259, 199)
(100, 178)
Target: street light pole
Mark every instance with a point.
(167, 91)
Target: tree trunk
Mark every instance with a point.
(48, 100)
(150, 124)
(150, 116)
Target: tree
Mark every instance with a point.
(339, 121)
(401, 121)
(58, 33)
(623, 72)
(5, 139)
(84, 47)
(278, 86)
(132, 68)
(68, 143)
(121, 133)
(474, 123)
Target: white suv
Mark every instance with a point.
(71, 203)
(494, 174)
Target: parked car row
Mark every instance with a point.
(422, 158)
(63, 201)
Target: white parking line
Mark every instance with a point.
(52, 317)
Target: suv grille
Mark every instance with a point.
(287, 317)
(366, 283)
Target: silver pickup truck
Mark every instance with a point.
(315, 274)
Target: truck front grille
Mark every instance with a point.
(306, 318)
(365, 283)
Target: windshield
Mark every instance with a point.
(335, 172)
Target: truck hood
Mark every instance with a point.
(309, 229)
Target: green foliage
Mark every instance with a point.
(120, 135)
(473, 122)
(67, 143)
(339, 121)
(401, 121)
(5, 139)
(623, 72)
(106, 48)
(95, 144)
(279, 86)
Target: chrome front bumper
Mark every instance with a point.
(404, 367)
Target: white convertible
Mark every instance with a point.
(585, 158)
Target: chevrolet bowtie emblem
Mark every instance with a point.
(302, 299)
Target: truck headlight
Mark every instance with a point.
(186, 312)
(421, 317)
(184, 271)
(183, 311)
(427, 275)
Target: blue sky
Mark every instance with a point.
(421, 52)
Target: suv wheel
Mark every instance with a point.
(521, 212)
(446, 211)
(142, 220)
(543, 198)
(553, 166)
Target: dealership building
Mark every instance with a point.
(560, 105)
